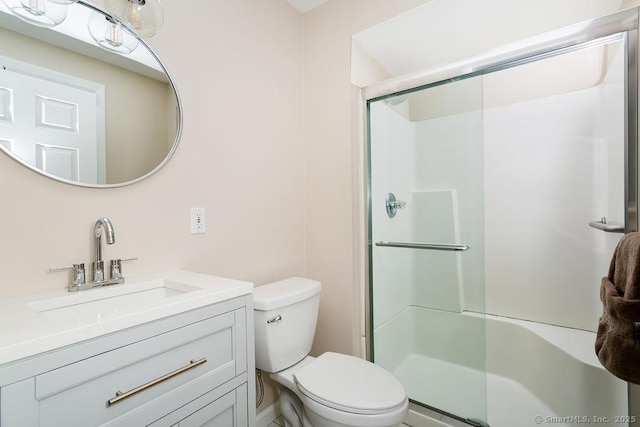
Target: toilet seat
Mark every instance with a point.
(352, 385)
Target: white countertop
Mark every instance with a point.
(24, 331)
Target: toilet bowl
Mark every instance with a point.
(332, 390)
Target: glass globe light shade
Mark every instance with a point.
(43, 13)
(111, 34)
(145, 17)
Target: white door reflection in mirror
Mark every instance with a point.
(54, 122)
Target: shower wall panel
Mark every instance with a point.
(448, 155)
(552, 165)
(393, 136)
(438, 275)
(546, 168)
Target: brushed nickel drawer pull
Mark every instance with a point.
(431, 246)
(121, 396)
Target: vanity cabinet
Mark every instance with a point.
(190, 369)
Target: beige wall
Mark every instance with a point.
(140, 111)
(238, 68)
(331, 124)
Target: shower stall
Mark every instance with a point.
(498, 189)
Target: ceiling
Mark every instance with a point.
(445, 31)
(306, 5)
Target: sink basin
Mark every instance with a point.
(99, 305)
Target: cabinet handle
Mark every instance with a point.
(121, 396)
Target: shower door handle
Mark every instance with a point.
(609, 228)
(429, 246)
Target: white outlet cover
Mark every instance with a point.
(198, 221)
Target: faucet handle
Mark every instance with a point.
(79, 276)
(97, 271)
(115, 267)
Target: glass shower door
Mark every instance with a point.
(516, 184)
(426, 243)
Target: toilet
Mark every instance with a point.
(331, 390)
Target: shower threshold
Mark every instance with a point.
(456, 391)
(468, 396)
(443, 416)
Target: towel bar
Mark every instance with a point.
(609, 228)
(430, 246)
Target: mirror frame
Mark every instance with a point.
(179, 118)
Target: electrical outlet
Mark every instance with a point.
(197, 221)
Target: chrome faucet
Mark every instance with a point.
(97, 266)
(98, 279)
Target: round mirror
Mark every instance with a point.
(85, 102)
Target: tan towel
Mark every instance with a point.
(618, 337)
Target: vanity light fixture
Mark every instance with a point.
(111, 34)
(44, 13)
(145, 17)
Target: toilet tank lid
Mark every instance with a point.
(284, 292)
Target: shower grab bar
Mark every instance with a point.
(430, 246)
(609, 228)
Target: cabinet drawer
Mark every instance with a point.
(78, 394)
(229, 410)
(225, 406)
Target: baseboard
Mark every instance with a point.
(268, 415)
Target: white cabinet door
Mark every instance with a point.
(229, 410)
(52, 121)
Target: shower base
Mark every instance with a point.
(509, 372)
(469, 393)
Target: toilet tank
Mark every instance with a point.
(285, 315)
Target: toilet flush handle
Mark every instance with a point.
(275, 319)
